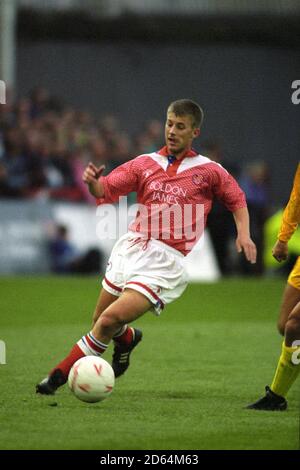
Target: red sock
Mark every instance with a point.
(126, 337)
(88, 345)
(66, 365)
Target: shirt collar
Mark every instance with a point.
(189, 153)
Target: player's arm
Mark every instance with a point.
(230, 194)
(243, 241)
(290, 221)
(91, 177)
(119, 182)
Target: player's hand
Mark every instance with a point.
(92, 173)
(91, 177)
(246, 245)
(280, 251)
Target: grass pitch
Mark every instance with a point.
(199, 364)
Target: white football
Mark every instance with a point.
(91, 379)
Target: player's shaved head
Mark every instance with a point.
(187, 107)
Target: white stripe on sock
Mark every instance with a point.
(84, 347)
(89, 350)
(97, 342)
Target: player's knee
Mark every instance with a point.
(281, 327)
(292, 328)
(109, 321)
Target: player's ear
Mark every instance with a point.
(196, 132)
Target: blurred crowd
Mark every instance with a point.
(45, 145)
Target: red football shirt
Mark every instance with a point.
(174, 197)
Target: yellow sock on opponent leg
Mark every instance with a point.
(287, 370)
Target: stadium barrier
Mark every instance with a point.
(26, 227)
(23, 240)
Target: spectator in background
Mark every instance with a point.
(220, 223)
(150, 138)
(254, 182)
(80, 159)
(61, 250)
(155, 132)
(44, 146)
(65, 258)
(15, 166)
(5, 189)
(41, 102)
(120, 151)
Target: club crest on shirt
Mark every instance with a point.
(197, 179)
(147, 173)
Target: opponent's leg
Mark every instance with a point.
(287, 369)
(290, 298)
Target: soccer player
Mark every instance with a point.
(175, 188)
(288, 366)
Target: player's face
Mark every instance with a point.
(179, 133)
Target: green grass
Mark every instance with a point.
(200, 363)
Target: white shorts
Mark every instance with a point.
(147, 266)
